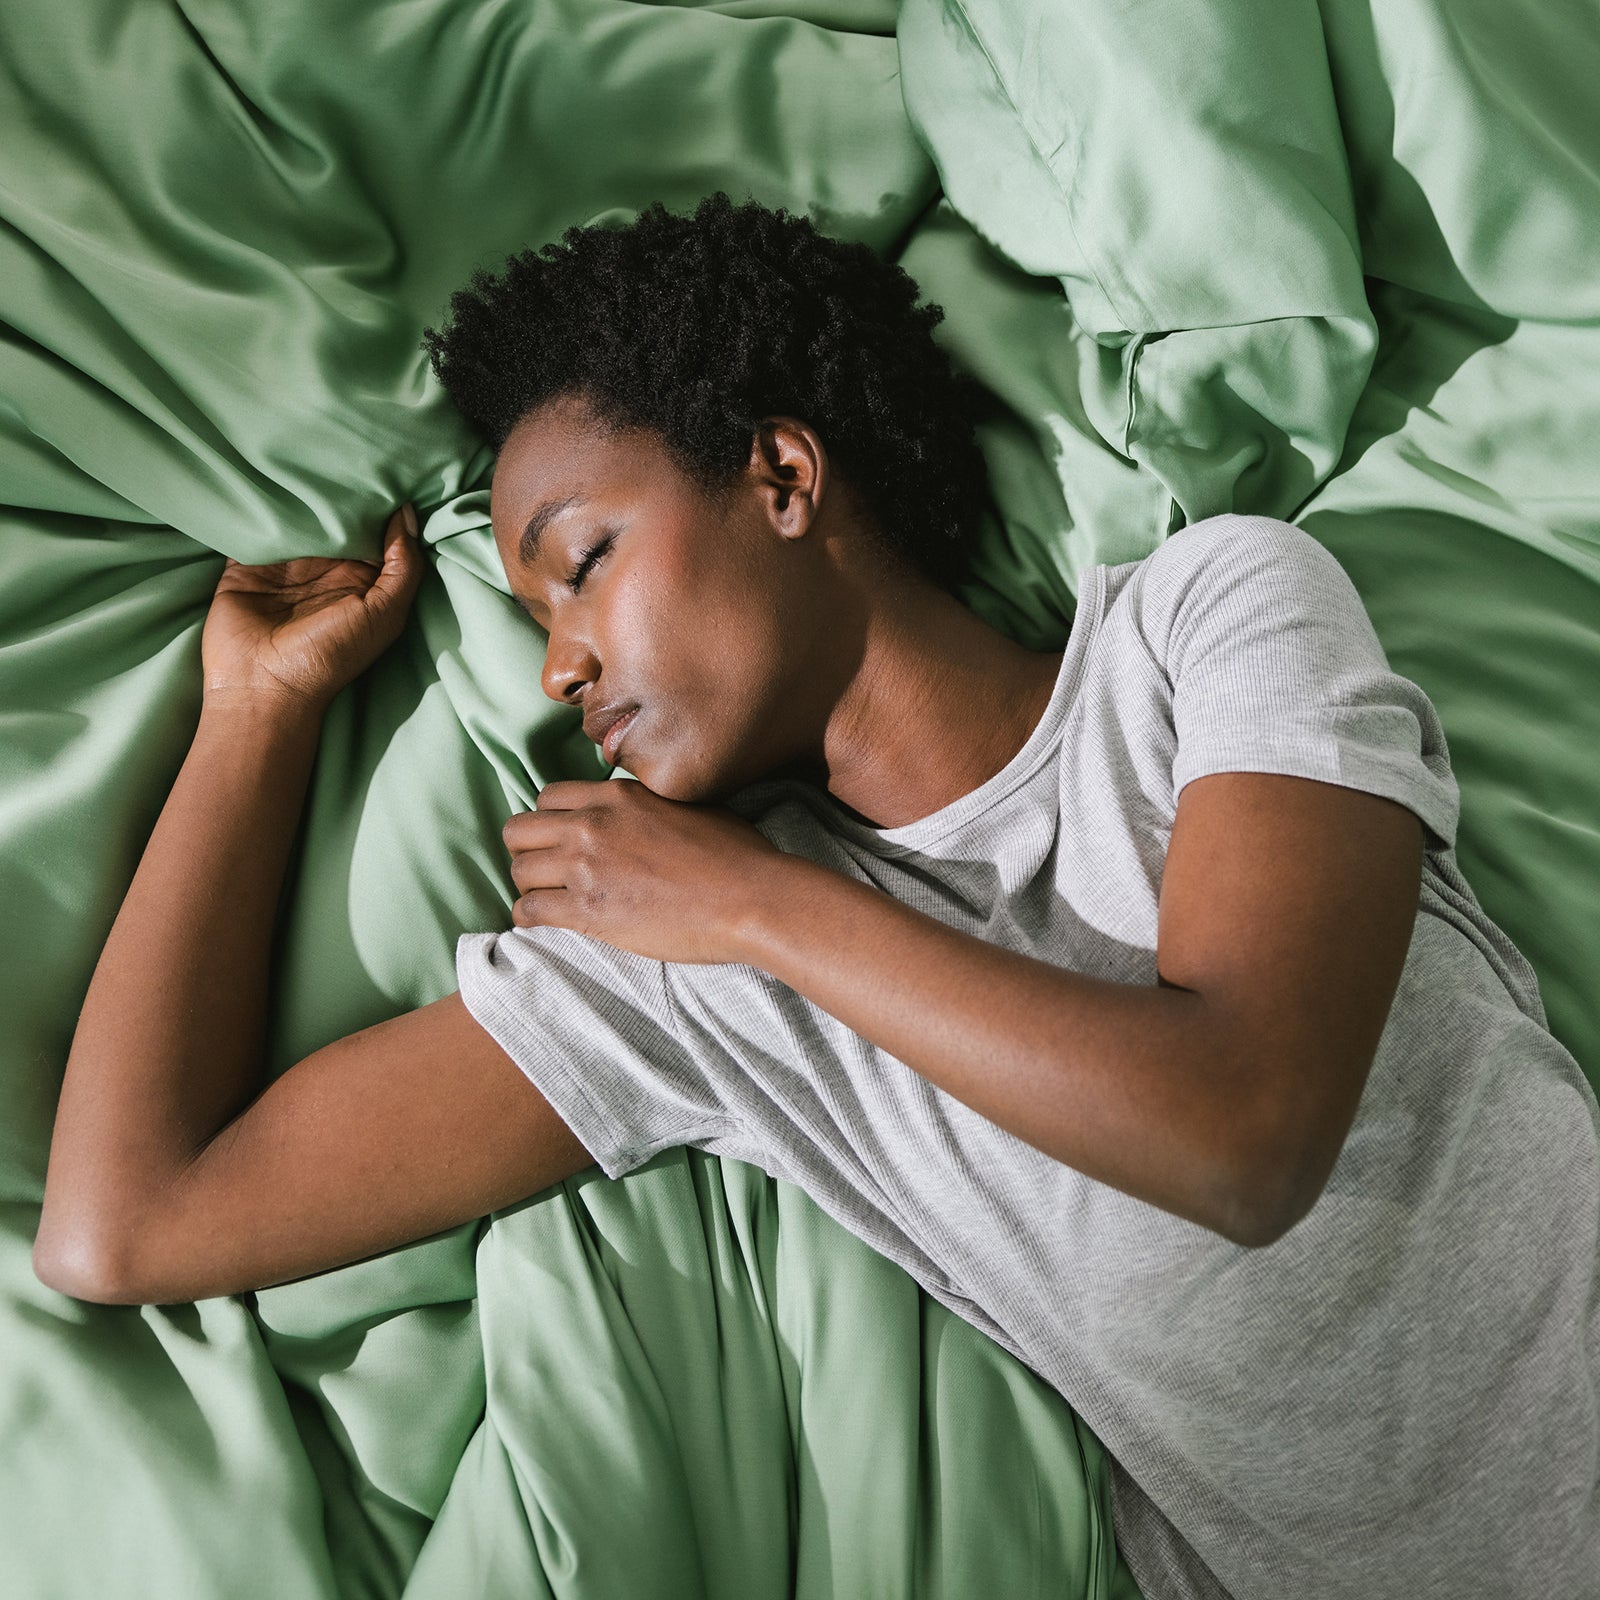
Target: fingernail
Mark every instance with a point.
(408, 516)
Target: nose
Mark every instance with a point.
(569, 664)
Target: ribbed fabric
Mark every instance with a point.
(1398, 1397)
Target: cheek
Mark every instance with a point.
(696, 634)
(734, 641)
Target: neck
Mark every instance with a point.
(938, 703)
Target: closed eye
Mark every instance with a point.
(589, 558)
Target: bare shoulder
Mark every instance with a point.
(392, 1134)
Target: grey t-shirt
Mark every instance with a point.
(1399, 1397)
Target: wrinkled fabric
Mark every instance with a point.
(1336, 263)
(222, 229)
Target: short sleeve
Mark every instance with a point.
(1275, 667)
(593, 1029)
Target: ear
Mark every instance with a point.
(789, 467)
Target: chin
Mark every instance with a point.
(676, 780)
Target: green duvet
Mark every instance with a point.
(1206, 255)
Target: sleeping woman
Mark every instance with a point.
(1128, 995)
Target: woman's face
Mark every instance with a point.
(692, 613)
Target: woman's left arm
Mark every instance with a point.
(1222, 1093)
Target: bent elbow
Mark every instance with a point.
(1274, 1198)
(79, 1267)
(1281, 1166)
(1255, 1227)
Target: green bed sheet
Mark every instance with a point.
(1203, 256)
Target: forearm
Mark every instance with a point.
(168, 1043)
(1142, 1087)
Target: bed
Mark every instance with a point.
(1337, 264)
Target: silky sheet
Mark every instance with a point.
(222, 229)
(1336, 267)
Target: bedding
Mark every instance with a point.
(1335, 265)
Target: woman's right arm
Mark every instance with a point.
(396, 1133)
(175, 1174)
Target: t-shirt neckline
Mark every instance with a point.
(928, 830)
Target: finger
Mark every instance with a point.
(529, 831)
(540, 869)
(395, 525)
(569, 794)
(543, 908)
(402, 565)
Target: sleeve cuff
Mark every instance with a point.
(552, 1076)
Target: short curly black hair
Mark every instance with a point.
(696, 327)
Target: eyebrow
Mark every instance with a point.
(528, 546)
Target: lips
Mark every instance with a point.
(607, 727)
(615, 734)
